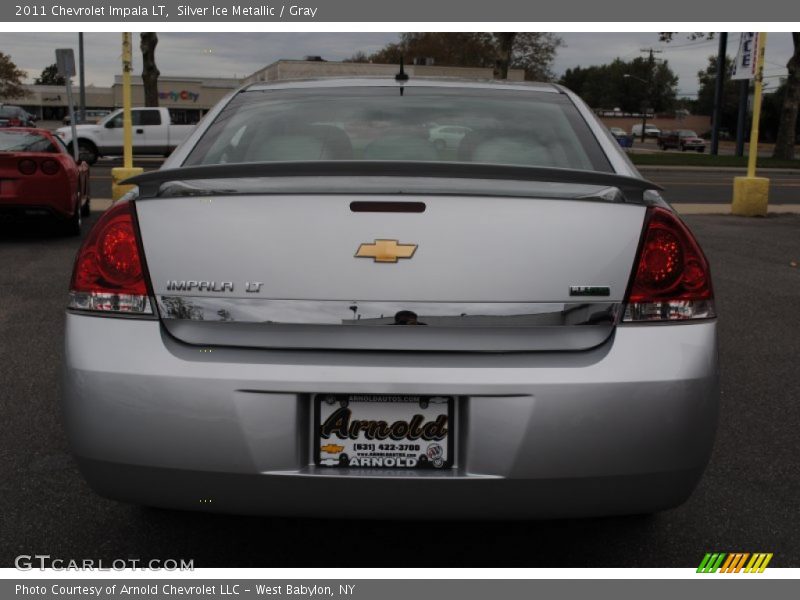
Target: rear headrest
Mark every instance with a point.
(506, 147)
(290, 147)
(314, 142)
(400, 147)
(336, 141)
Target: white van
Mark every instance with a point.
(649, 131)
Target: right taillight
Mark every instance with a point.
(109, 274)
(670, 280)
(49, 166)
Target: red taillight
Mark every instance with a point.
(109, 275)
(671, 279)
(49, 166)
(14, 122)
(27, 166)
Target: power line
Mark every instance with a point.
(692, 45)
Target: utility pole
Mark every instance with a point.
(81, 81)
(744, 91)
(716, 116)
(65, 64)
(651, 63)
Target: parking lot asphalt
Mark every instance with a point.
(747, 501)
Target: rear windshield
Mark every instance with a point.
(24, 141)
(508, 127)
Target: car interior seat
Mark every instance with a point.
(401, 147)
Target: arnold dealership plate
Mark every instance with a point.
(384, 431)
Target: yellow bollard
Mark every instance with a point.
(120, 174)
(750, 196)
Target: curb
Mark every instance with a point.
(742, 170)
(101, 204)
(688, 208)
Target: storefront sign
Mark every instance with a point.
(174, 96)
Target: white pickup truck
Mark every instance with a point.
(153, 133)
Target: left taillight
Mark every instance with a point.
(109, 274)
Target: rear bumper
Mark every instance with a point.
(624, 428)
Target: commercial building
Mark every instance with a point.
(187, 97)
(190, 97)
(49, 102)
(307, 69)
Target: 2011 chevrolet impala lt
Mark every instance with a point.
(317, 308)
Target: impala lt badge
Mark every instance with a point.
(386, 251)
(200, 286)
(589, 290)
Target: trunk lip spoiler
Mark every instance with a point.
(632, 188)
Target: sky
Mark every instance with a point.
(240, 54)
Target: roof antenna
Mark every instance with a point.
(401, 75)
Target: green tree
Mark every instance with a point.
(771, 110)
(730, 93)
(606, 86)
(450, 49)
(11, 79)
(533, 51)
(150, 72)
(50, 76)
(787, 125)
(358, 57)
(788, 119)
(504, 52)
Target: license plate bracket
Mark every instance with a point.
(383, 431)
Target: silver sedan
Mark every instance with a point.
(315, 309)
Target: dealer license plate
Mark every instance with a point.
(384, 431)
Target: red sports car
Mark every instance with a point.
(40, 179)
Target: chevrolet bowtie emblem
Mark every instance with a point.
(386, 251)
(331, 448)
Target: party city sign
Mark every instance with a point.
(174, 96)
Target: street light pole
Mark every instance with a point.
(81, 80)
(647, 97)
(744, 90)
(718, 92)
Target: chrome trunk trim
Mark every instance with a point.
(360, 313)
(359, 325)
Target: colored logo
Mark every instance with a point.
(331, 448)
(435, 455)
(386, 251)
(174, 96)
(720, 562)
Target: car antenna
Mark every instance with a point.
(401, 76)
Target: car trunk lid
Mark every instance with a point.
(307, 270)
